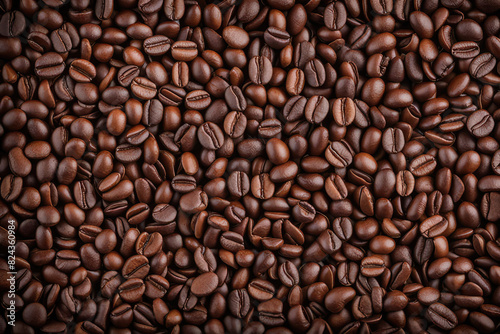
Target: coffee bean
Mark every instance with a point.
(49, 66)
(156, 45)
(174, 9)
(480, 123)
(295, 81)
(271, 312)
(442, 316)
(335, 16)
(344, 111)
(339, 154)
(143, 88)
(12, 23)
(482, 65)
(260, 70)
(393, 140)
(423, 165)
(294, 108)
(372, 266)
(198, 100)
(82, 70)
(239, 303)
(235, 98)
(235, 37)
(180, 74)
(103, 9)
(61, 41)
(131, 290)
(465, 49)
(276, 38)
(261, 290)
(11, 187)
(205, 284)
(204, 259)
(316, 109)
(184, 50)
(136, 266)
(127, 74)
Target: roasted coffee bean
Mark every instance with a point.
(210, 136)
(339, 154)
(235, 98)
(335, 16)
(344, 111)
(143, 88)
(49, 66)
(465, 49)
(156, 45)
(480, 123)
(260, 70)
(482, 65)
(294, 108)
(198, 100)
(82, 70)
(184, 50)
(276, 38)
(127, 74)
(61, 40)
(442, 316)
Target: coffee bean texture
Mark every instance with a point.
(250, 166)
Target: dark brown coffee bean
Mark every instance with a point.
(210, 136)
(465, 49)
(238, 184)
(239, 303)
(261, 290)
(180, 74)
(82, 70)
(294, 108)
(12, 23)
(143, 88)
(103, 9)
(132, 290)
(344, 111)
(198, 100)
(174, 9)
(433, 226)
(260, 70)
(442, 316)
(423, 165)
(480, 123)
(372, 266)
(335, 16)
(405, 183)
(235, 98)
(49, 66)
(61, 41)
(482, 65)
(126, 74)
(295, 81)
(11, 187)
(276, 38)
(205, 284)
(316, 109)
(136, 266)
(184, 50)
(156, 45)
(339, 154)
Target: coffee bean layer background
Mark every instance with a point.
(250, 166)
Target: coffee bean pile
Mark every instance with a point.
(250, 166)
